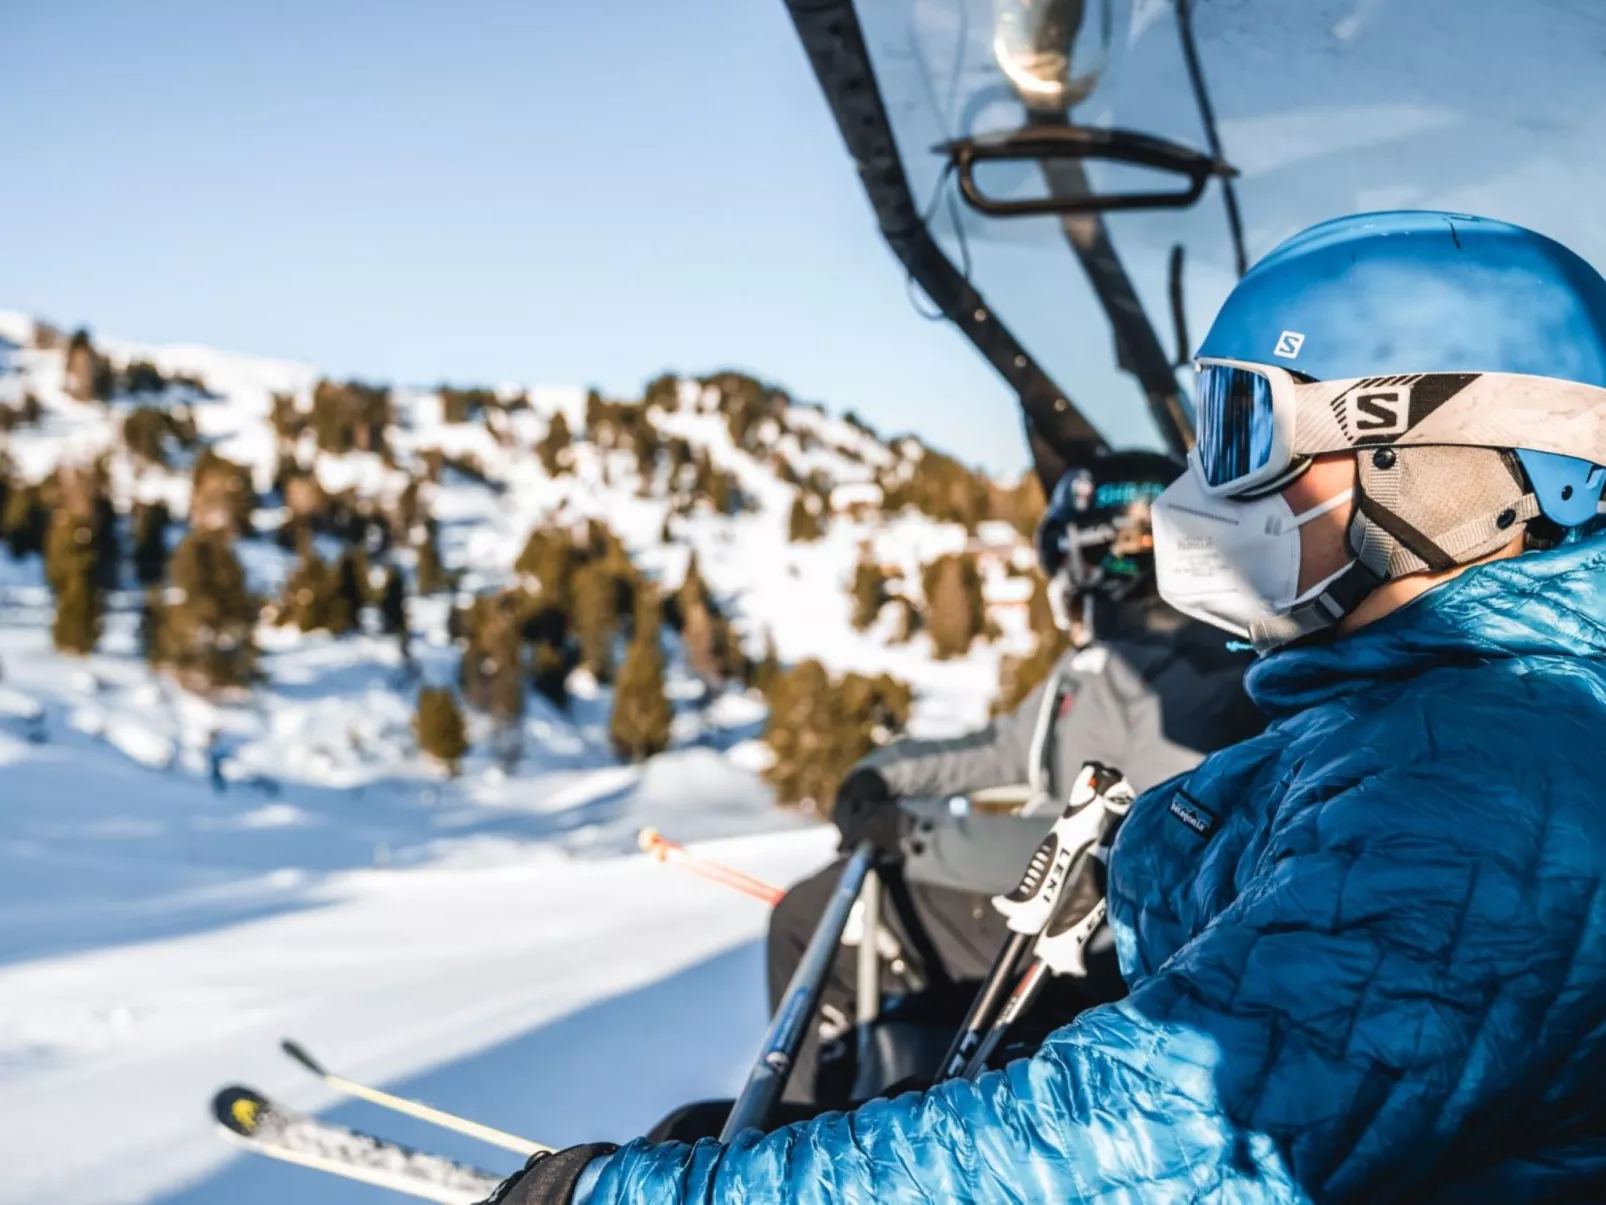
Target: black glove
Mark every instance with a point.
(867, 811)
(549, 1177)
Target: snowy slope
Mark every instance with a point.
(185, 880)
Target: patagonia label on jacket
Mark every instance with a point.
(1201, 820)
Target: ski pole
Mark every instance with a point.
(659, 847)
(1022, 998)
(412, 1108)
(662, 849)
(983, 1008)
(1054, 910)
(774, 1065)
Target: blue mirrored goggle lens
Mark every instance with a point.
(1235, 422)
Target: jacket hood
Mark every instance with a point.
(1539, 604)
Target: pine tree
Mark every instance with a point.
(343, 610)
(703, 635)
(641, 711)
(70, 569)
(439, 726)
(393, 606)
(305, 590)
(145, 432)
(554, 448)
(151, 521)
(955, 611)
(26, 520)
(551, 557)
(432, 575)
(221, 497)
(549, 672)
(819, 727)
(596, 617)
(88, 375)
(507, 684)
(803, 524)
(869, 592)
(768, 667)
(150, 624)
(208, 633)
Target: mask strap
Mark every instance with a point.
(1321, 508)
(1320, 607)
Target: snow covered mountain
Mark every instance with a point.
(185, 873)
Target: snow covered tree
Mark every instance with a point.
(955, 610)
(641, 710)
(440, 728)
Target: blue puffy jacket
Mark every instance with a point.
(1367, 953)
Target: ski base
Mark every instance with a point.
(258, 1124)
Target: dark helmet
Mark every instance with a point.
(1095, 535)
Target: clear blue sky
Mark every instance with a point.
(543, 191)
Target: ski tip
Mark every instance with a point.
(239, 1109)
(299, 1053)
(648, 839)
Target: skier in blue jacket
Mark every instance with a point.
(1366, 950)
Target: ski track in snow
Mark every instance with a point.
(184, 882)
(566, 1000)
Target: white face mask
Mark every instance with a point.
(1231, 564)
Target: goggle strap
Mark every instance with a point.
(1458, 541)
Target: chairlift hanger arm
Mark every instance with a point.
(1042, 143)
(1058, 433)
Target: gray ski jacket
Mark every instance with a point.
(1151, 695)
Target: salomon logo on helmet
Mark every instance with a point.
(1288, 345)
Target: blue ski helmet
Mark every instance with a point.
(1418, 291)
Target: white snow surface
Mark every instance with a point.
(184, 881)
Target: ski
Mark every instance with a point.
(258, 1124)
(412, 1108)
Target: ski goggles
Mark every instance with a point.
(1258, 425)
(1244, 416)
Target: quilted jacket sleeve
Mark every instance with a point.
(1386, 969)
(998, 755)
